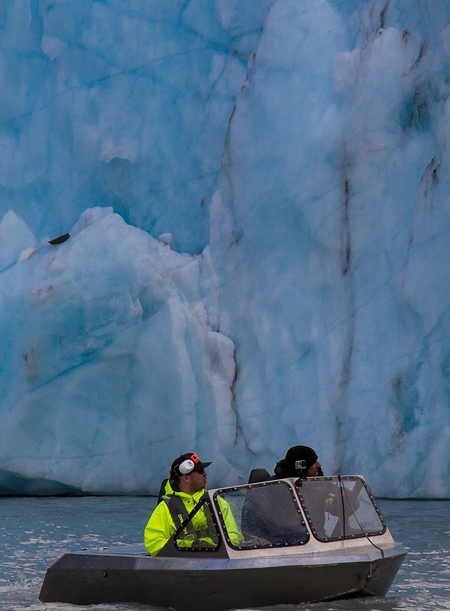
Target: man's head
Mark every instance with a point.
(301, 460)
(188, 474)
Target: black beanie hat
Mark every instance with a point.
(286, 467)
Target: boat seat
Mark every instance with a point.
(269, 513)
(259, 475)
(162, 490)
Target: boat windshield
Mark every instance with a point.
(266, 515)
(341, 507)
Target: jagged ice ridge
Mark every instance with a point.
(257, 199)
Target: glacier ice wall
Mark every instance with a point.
(257, 201)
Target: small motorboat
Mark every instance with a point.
(302, 540)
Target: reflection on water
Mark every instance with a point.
(35, 532)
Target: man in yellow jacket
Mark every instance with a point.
(185, 488)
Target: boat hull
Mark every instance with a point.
(218, 584)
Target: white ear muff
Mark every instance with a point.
(186, 467)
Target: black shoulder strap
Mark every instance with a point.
(212, 530)
(179, 513)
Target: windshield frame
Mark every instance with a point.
(303, 535)
(344, 505)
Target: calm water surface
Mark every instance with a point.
(34, 532)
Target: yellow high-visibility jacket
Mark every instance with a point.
(161, 526)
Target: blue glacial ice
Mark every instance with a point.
(257, 200)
